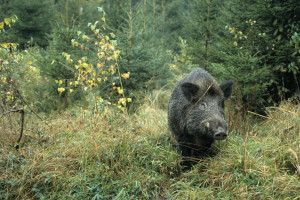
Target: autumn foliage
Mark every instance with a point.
(89, 75)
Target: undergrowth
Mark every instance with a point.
(113, 155)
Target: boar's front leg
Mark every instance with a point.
(185, 149)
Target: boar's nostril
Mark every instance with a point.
(220, 135)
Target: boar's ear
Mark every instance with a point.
(226, 87)
(189, 90)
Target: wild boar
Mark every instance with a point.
(196, 115)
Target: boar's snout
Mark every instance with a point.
(220, 134)
(217, 128)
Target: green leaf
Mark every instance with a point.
(100, 9)
(112, 35)
(73, 42)
(280, 28)
(94, 25)
(278, 37)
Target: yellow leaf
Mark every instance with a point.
(5, 45)
(111, 68)
(120, 91)
(29, 62)
(102, 41)
(7, 21)
(100, 99)
(60, 82)
(1, 25)
(99, 65)
(60, 90)
(125, 76)
(14, 45)
(85, 65)
(115, 56)
(3, 79)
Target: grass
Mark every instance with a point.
(118, 156)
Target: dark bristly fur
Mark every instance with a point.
(196, 113)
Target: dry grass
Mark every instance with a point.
(114, 155)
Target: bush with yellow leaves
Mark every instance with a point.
(103, 73)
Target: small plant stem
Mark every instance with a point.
(120, 78)
(244, 163)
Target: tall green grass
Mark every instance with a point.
(113, 155)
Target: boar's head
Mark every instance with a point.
(204, 112)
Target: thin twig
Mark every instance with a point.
(29, 105)
(9, 112)
(22, 127)
(22, 123)
(258, 114)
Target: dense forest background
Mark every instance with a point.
(85, 85)
(255, 43)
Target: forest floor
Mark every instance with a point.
(112, 155)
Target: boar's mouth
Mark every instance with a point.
(207, 130)
(216, 133)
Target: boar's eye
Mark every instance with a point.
(202, 106)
